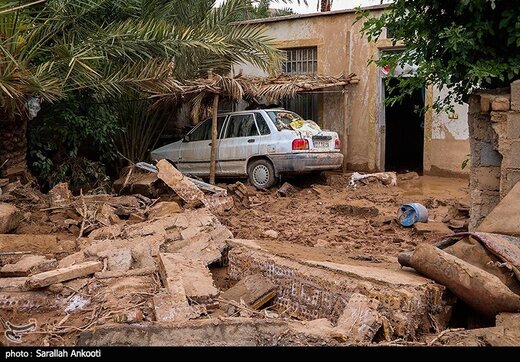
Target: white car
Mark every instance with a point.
(261, 144)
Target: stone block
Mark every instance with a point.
(513, 125)
(10, 217)
(515, 95)
(498, 117)
(500, 104)
(485, 103)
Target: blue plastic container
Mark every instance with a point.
(409, 214)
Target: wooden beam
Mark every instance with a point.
(213, 160)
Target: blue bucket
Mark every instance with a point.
(409, 214)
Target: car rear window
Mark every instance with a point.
(282, 119)
(241, 126)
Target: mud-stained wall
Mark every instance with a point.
(343, 50)
(448, 138)
(494, 125)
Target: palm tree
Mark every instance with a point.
(325, 5)
(113, 47)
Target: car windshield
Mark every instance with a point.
(282, 119)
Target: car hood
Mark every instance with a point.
(165, 152)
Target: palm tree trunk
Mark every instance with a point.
(326, 5)
(13, 148)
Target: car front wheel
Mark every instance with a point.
(261, 174)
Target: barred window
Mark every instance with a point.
(301, 61)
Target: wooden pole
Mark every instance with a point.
(346, 128)
(213, 162)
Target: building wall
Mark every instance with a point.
(448, 140)
(494, 125)
(343, 50)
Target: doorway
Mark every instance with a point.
(404, 138)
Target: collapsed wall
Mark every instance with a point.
(404, 304)
(494, 127)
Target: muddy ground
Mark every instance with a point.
(357, 223)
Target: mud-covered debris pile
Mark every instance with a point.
(360, 222)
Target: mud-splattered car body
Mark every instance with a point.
(261, 144)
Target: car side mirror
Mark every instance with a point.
(186, 138)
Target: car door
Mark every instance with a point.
(240, 141)
(195, 151)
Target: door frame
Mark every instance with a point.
(381, 125)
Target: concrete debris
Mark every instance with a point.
(318, 289)
(286, 190)
(10, 217)
(60, 195)
(164, 208)
(217, 191)
(118, 259)
(117, 267)
(241, 192)
(254, 290)
(194, 276)
(360, 319)
(219, 204)
(135, 182)
(63, 274)
(27, 265)
(179, 183)
(432, 228)
(107, 216)
(56, 288)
